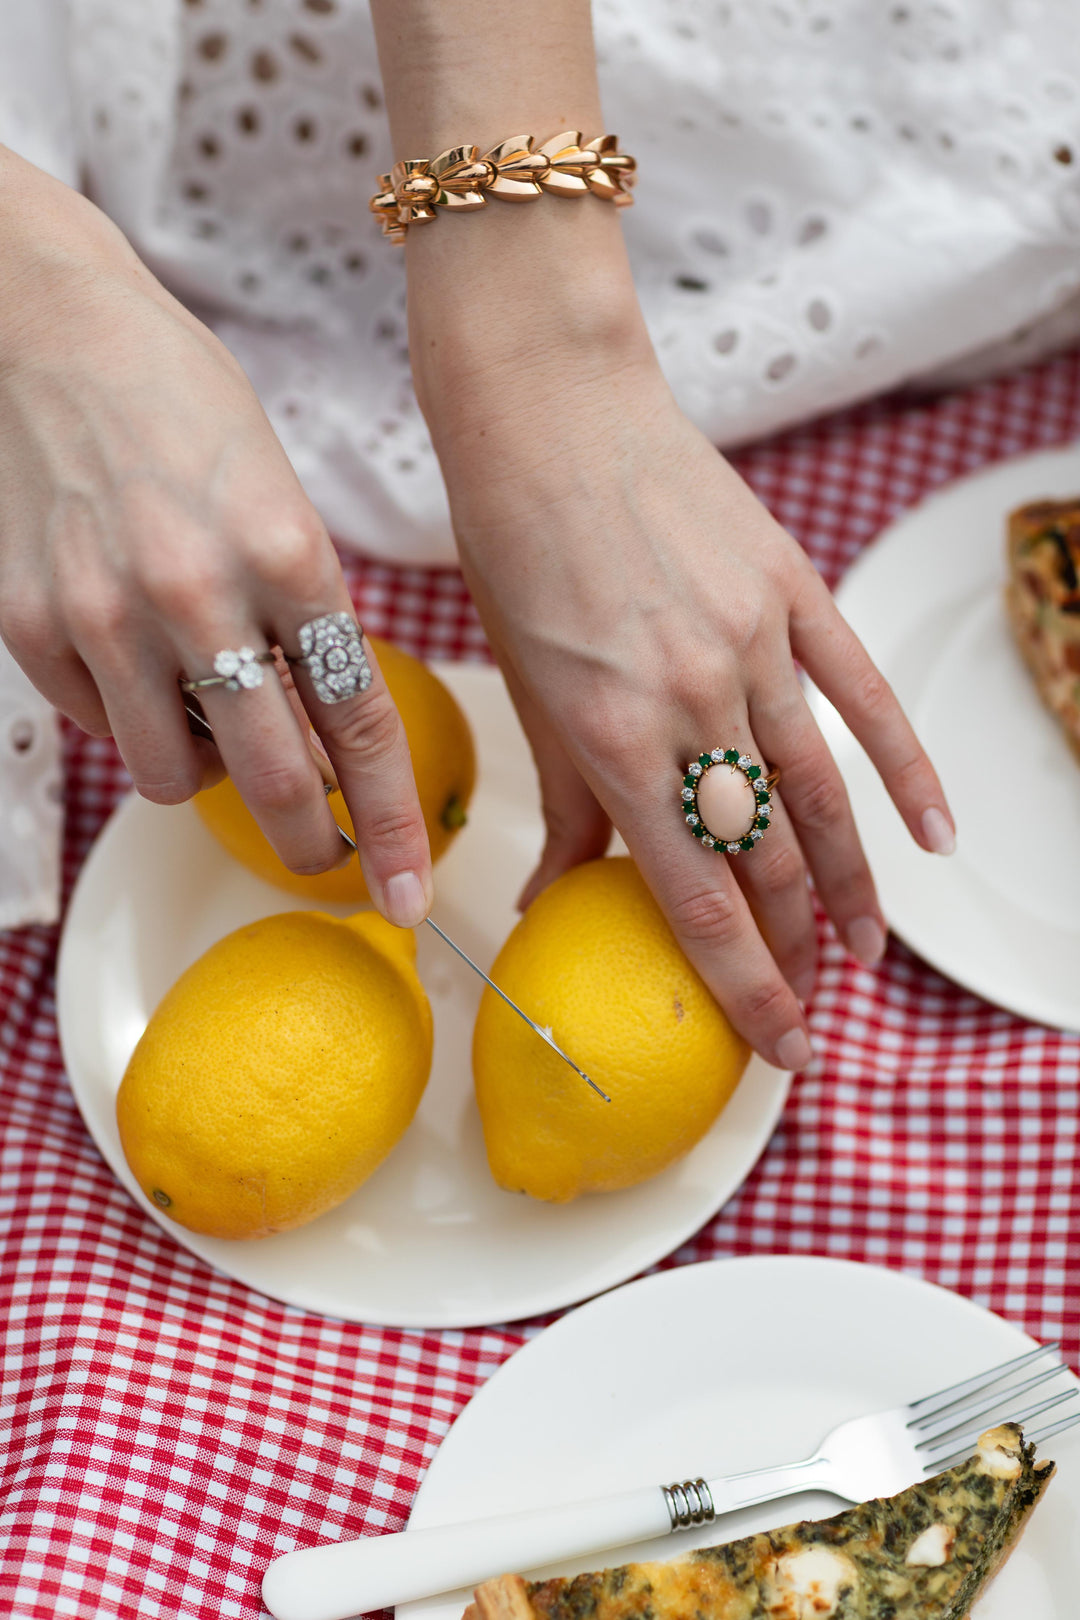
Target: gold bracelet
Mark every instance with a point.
(460, 178)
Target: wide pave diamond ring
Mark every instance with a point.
(727, 800)
(332, 652)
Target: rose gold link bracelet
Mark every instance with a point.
(461, 179)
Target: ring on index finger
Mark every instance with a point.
(726, 800)
(332, 653)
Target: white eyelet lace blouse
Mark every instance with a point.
(834, 197)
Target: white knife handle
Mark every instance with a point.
(347, 1578)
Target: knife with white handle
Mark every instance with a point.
(354, 1577)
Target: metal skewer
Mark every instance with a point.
(200, 727)
(544, 1034)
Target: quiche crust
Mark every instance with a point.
(925, 1554)
(1042, 599)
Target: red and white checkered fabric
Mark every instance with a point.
(166, 1432)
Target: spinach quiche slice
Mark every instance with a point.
(1043, 602)
(923, 1555)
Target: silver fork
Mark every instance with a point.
(875, 1455)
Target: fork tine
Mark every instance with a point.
(1035, 1439)
(980, 1381)
(946, 1442)
(948, 1418)
(1054, 1428)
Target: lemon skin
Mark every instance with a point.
(277, 1073)
(594, 959)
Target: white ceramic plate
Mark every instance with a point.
(1002, 915)
(429, 1240)
(729, 1365)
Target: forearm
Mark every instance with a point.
(462, 70)
(504, 302)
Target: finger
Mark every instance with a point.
(772, 875)
(266, 753)
(577, 827)
(355, 718)
(147, 720)
(841, 668)
(134, 679)
(712, 920)
(65, 681)
(815, 799)
(213, 766)
(775, 882)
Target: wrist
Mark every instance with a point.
(54, 245)
(514, 304)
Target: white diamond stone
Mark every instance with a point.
(765, 811)
(227, 662)
(744, 761)
(688, 794)
(756, 833)
(732, 849)
(710, 843)
(717, 755)
(694, 770)
(250, 676)
(691, 820)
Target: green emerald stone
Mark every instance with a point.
(746, 843)
(761, 794)
(704, 760)
(752, 771)
(690, 781)
(698, 831)
(761, 822)
(731, 757)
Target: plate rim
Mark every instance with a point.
(521, 1309)
(1033, 1005)
(686, 1278)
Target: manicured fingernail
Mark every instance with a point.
(866, 940)
(793, 1050)
(937, 831)
(405, 900)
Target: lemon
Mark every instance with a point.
(594, 960)
(277, 1073)
(444, 763)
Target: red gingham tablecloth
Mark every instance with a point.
(166, 1432)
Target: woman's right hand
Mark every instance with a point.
(149, 519)
(645, 607)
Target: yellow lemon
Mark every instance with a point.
(277, 1073)
(444, 761)
(594, 960)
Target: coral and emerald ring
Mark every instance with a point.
(727, 800)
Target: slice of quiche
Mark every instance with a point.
(923, 1555)
(1043, 601)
